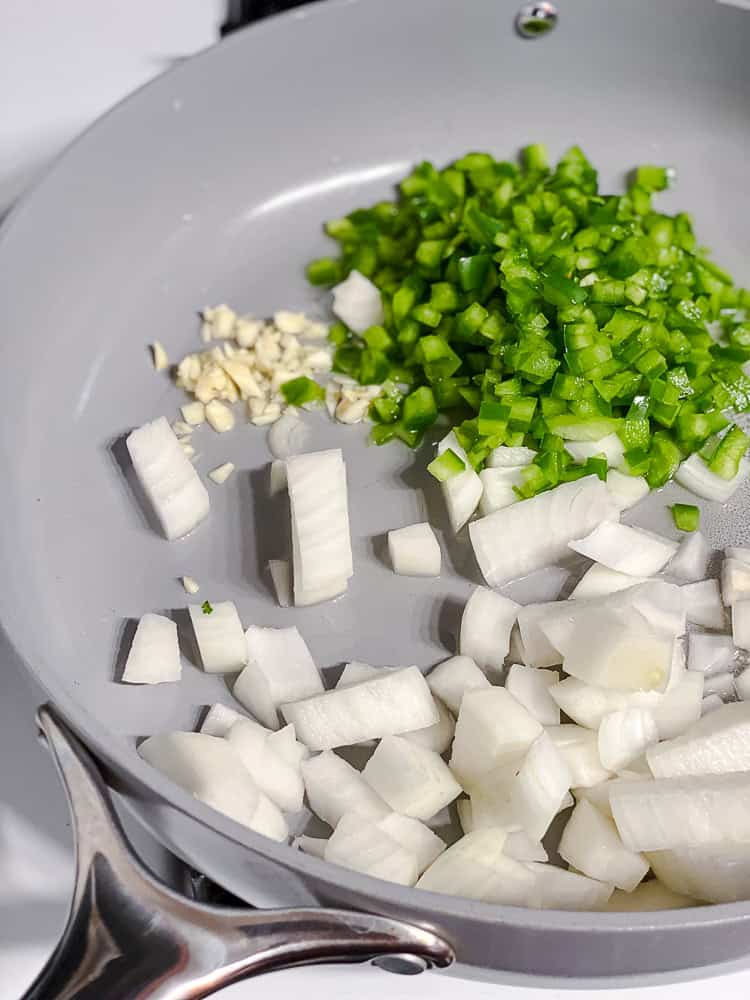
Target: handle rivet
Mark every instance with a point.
(401, 965)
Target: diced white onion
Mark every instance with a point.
(358, 844)
(530, 686)
(735, 581)
(600, 580)
(287, 436)
(279, 669)
(492, 729)
(314, 846)
(715, 744)
(696, 476)
(154, 656)
(625, 549)
(626, 490)
(591, 843)
(610, 446)
(580, 750)
(219, 635)
(450, 680)
(320, 520)
(716, 874)
(171, 484)
(624, 735)
(357, 302)
(690, 562)
(709, 654)
(703, 604)
(475, 867)
(275, 776)
(485, 628)
(647, 897)
(414, 836)
(211, 771)
(557, 889)
(533, 533)
(463, 491)
(498, 488)
(220, 719)
(683, 812)
(413, 781)
(414, 550)
(282, 583)
(398, 701)
(334, 788)
(437, 737)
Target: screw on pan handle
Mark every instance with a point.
(130, 937)
(536, 19)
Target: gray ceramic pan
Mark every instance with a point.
(211, 185)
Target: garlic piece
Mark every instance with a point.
(161, 361)
(221, 473)
(193, 413)
(290, 322)
(219, 416)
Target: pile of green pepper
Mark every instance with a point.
(532, 309)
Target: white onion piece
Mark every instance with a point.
(541, 585)
(719, 874)
(485, 628)
(530, 686)
(610, 446)
(690, 562)
(590, 843)
(662, 604)
(696, 476)
(492, 729)
(648, 897)
(355, 672)
(738, 552)
(599, 581)
(450, 680)
(557, 889)
(399, 701)
(598, 795)
(711, 703)
(465, 815)
(280, 781)
(735, 581)
(703, 604)
(220, 719)
(314, 846)
(413, 781)
(277, 477)
(742, 685)
(505, 457)
(476, 868)
(533, 533)
(358, 844)
(287, 436)
(537, 649)
(414, 550)
(334, 788)
(626, 491)
(284, 742)
(414, 836)
(220, 637)
(619, 651)
(721, 684)
(498, 488)
(624, 735)
(304, 597)
(679, 707)
(437, 737)
(521, 847)
(463, 491)
(321, 540)
(527, 796)
(683, 812)
(154, 656)
(625, 549)
(211, 771)
(741, 624)
(357, 302)
(709, 654)
(279, 669)
(715, 744)
(282, 581)
(579, 749)
(173, 487)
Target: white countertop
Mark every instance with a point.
(61, 65)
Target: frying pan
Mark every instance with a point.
(210, 185)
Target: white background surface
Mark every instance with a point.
(61, 65)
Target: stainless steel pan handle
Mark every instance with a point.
(128, 936)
